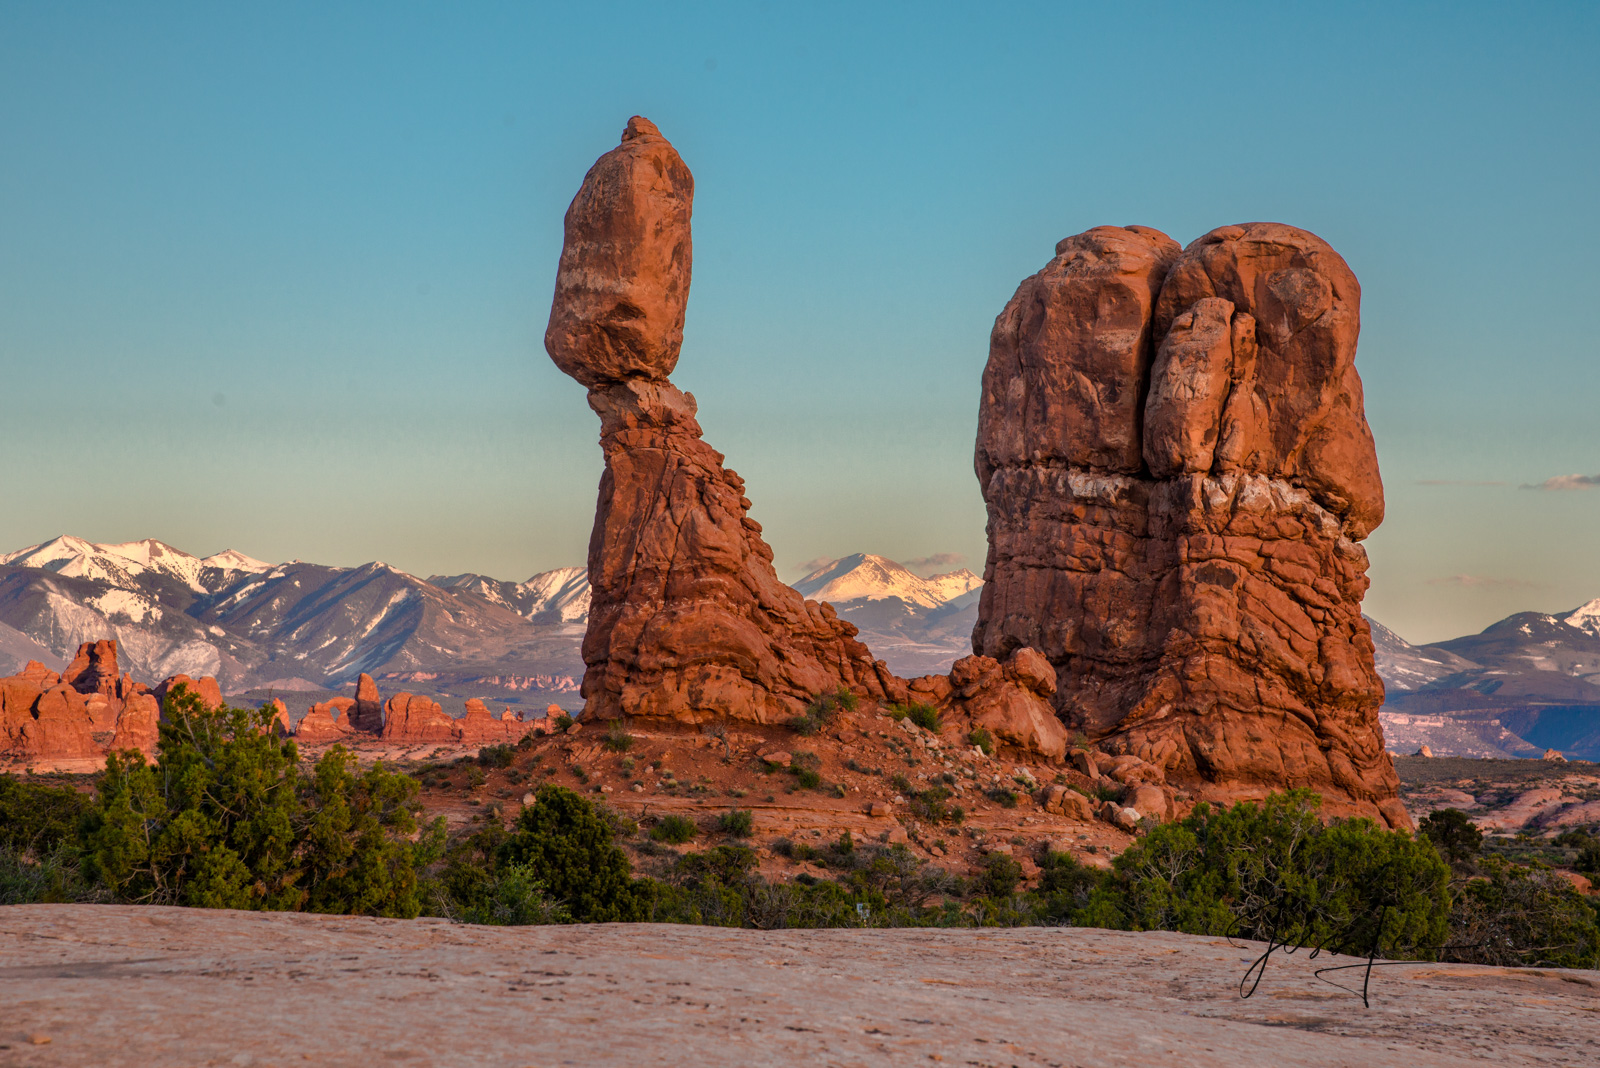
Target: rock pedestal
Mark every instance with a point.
(688, 618)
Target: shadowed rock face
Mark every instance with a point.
(688, 618)
(1178, 474)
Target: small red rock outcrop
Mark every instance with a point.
(688, 618)
(328, 721)
(366, 714)
(94, 669)
(481, 727)
(205, 688)
(1179, 473)
(408, 719)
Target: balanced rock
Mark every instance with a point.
(1178, 473)
(688, 619)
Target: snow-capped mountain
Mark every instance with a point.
(1405, 667)
(864, 577)
(1524, 684)
(294, 626)
(1585, 618)
(123, 565)
(559, 596)
(919, 626)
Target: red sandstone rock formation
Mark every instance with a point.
(688, 618)
(205, 688)
(60, 727)
(280, 724)
(94, 669)
(138, 725)
(1178, 473)
(481, 727)
(77, 715)
(410, 719)
(366, 714)
(326, 722)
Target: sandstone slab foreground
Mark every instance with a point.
(115, 985)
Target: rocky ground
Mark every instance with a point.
(113, 985)
(669, 769)
(1521, 806)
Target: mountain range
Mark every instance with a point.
(293, 627)
(1524, 684)
(919, 626)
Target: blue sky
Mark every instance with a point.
(276, 279)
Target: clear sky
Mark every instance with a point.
(275, 277)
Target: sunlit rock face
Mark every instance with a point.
(688, 619)
(1179, 473)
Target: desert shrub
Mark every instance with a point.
(497, 756)
(567, 844)
(621, 826)
(1522, 916)
(807, 778)
(981, 738)
(999, 876)
(35, 818)
(617, 739)
(1453, 835)
(476, 778)
(931, 804)
(801, 851)
(822, 710)
(739, 822)
(708, 888)
(1586, 850)
(722, 886)
(897, 883)
(781, 906)
(674, 829)
(50, 876)
(225, 818)
(564, 721)
(924, 715)
(1272, 868)
(1107, 792)
(1000, 795)
(1065, 887)
(514, 897)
